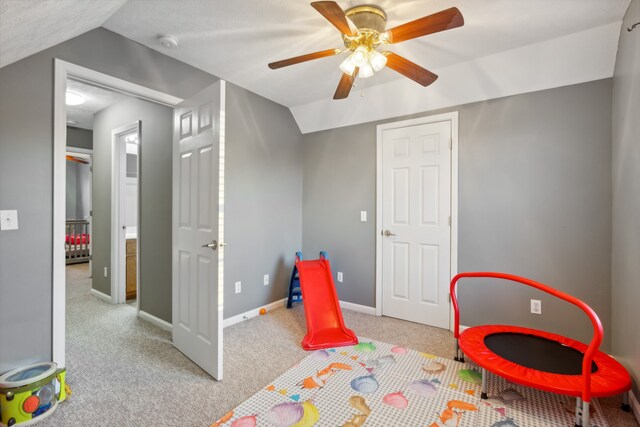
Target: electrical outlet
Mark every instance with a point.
(536, 306)
(106, 274)
(340, 276)
(238, 287)
(265, 280)
(363, 216)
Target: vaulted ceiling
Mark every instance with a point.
(505, 47)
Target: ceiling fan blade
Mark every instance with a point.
(345, 85)
(334, 14)
(441, 21)
(304, 58)
(409, 69)
(77, 160)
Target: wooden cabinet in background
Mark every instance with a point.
(131, 268)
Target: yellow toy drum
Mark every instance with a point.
(30, 393)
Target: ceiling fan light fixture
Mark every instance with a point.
(72, 98)
(348, 66)
(366, 71)
(363, 31)
(377, 60)
(360, 56)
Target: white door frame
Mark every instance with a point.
(118, 186)
(62, 71)
(450, 117)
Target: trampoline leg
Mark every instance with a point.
(625, 402)
(578, 412)
(484, 384)
(459, 354)
(585, 414)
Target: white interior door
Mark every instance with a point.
(198, 179)
(416, 234)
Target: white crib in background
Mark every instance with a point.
(77, 241)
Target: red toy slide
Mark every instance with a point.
(325, 326)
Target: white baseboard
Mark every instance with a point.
(358, 308)
(162, 324)
(635, 405)
(96, 293)
(253, 313)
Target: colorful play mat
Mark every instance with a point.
(382, 385)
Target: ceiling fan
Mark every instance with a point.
(363, 31)
(76, 159)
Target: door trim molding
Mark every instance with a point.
(61, 71)
(451, 117)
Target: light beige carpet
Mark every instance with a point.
(124, 371)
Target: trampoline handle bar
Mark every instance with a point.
(593, 346)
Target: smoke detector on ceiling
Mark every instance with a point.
(168, 41)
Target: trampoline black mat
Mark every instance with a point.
(537, 353)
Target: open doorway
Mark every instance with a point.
(168, 141)
(90, 111)
(95, 283)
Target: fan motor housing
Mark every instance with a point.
(368, 19)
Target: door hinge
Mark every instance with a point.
(90, 168)
(449, 220)
(450, 143)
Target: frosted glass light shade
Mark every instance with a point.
(360, 56)
(366, 70)
(378, 60)
(348, 66)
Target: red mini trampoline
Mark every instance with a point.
(540, 359)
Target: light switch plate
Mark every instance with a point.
(363, 216)
(238, 287)
(265, 280)
(8, 220)
(340, 276)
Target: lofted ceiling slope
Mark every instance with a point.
(30, 26)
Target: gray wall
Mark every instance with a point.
(26, 137)
(625, 288)
(339, 182)
(154, 179)
(263, 199)
(534, 200)
(79, 138)
(78, 190)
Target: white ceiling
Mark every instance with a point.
(96, 99)
(235, 40)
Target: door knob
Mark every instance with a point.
(388, 233)
(213, 245)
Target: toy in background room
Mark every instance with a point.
(31, 393)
